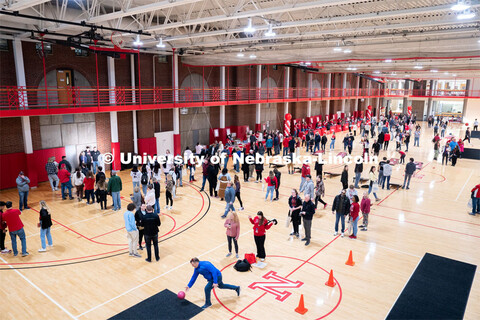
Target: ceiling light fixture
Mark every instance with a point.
(138, 42)
(249, 28)
(376, 72)
(418, 67)
(337, 49)
(347, 51)
(446, 73)
(253, 56)
(270, 32)
(308, 63)
(407, 75)
(466, 14)
(454, 75)
(240, 55)
(160, 44)
(460, 6)
(434, 70)
(388, 60)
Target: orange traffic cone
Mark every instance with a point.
(301, 307)
(350, 261)
(330, 282)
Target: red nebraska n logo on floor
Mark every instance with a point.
(281, 282)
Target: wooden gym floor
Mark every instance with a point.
(89, 275)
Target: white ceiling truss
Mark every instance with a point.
(210, 32)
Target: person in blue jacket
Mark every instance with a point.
(212, 275)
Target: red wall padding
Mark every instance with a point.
(11, 164)
(147, 145)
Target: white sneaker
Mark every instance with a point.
(240, 209)
(42, 250)
(6, 250)
(262, 260)
(335, 234)
(228, 254)
(343, 234)
(49, 245)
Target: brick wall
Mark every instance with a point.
(11, 137)
(145, 123)
(35, 129)
(102, 128)
(125, 131)
(7, 63)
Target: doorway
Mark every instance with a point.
(64, 85)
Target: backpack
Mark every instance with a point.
(242, 266)
(144, 179)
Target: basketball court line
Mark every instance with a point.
(238, 314)
(40, 290)
(155, 278)
(460, 193)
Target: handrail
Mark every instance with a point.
(62, 100)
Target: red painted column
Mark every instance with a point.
(116, 164)
(222, 134)
(258, 127)
(177, 144)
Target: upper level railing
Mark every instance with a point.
(15, 101)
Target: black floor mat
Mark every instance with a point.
(470, 153)
(163, 306)
(438, 289)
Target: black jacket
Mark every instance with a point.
(309, 209)
(344, 177)
(45, 219)
(278, 175)
(150, 222)
(359, 167)
(295, 213)
(291, 145)
(67, 164)
(319, 168)
(324, 139)
(156, 186)
(346, 205)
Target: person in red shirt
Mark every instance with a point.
(386, 140)
(3, 229)
(89, 182)
(365, 207)
(354, 216)
(260, 225)
(475, 200)
(272, 182)
(402, 156)
(285, 142)
(15, 227)
(305, 173)
(66, 182)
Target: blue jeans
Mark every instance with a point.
(354, 226)
(405, 182)
(285, 151)
(236, 166)
(95, 166)
(67, 185)
(157, 206)
(270, 190)
(116, 200)
(192, 173)
(43, 233)
(23, 199)
(135, 184)
(475, 205)
(387, 178)
(21, 234)
(442, 133)
(339, 216)
(180, 177)
(332, 144)
(416, 141)
(227, 209)
(317, 147)
(221, 285)
(370, 190)
(357, 178)
(144, 189)
(225, 164)
(203, 181)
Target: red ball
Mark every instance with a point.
(288, 116)
(466, 124)
(181, 295)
